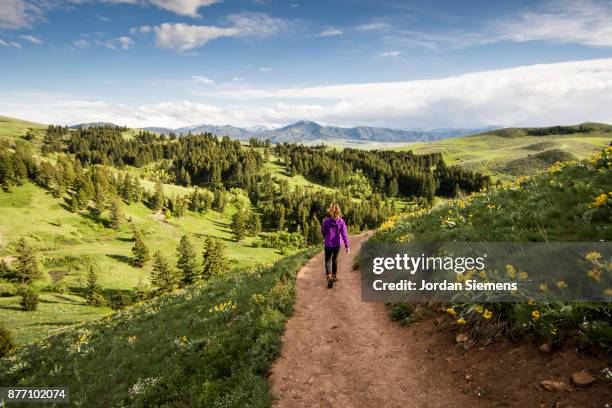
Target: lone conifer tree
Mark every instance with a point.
(94, 297)
(140, 250)
(239, 225)
(214, 261)
(159, 199)
(163, 276)
(116, 215)
(27, 269)
(254, 226)
(187, 262)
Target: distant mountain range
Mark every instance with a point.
(309, 131)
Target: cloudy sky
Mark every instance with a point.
(402, 64)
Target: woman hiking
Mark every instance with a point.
(333, 229)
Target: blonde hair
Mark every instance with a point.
(334, 211)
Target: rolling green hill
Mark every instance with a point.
(511, 152)
(67, 242)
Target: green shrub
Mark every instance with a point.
(403, 313)
(29, 298)
(6, 342)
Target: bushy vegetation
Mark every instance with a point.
(212, 346)
(389, 173)
(571, 202)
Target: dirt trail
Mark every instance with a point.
(341, 352)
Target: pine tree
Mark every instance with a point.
(140, 250)
(29, 297)
(187, 262)
(214, 261)
(94, 295)
(27, 269)
(159, 200)
(239, 225)
(163, 276)
(254, 225)
(220, 200)
(314, 231)
(116, 215)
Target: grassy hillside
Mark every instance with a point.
(570, 202)
(15, 129)
(67, 242)
(207, 345)
(512, 152)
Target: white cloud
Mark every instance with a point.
(391, 54)
(201, 79)
(126, 42)
(587, 22)
(265, 69)
(16, 14)
(31, 38)
(181, 7)
(82, 44)
(374, 26)
(145, 29)
(535, 95)
(9, 44)
(183, 37)
(331, 32)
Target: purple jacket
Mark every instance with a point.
(333, 230)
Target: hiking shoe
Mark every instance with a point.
(334, 278)
(330, 282)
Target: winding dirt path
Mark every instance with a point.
(341, 352)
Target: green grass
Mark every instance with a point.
(279, 171)
(15, 129)
(555, 206)
(172, 351)
(508, 153)
(55, 312)
(67, 242)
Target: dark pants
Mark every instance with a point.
(331, 260)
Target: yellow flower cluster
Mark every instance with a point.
(393, 220)
(600, 200)
(595, 274)
(593, 256)
(221, 307)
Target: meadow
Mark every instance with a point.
(509, 153)
(207, 345)
(570, 202)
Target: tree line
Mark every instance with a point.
(389, 173)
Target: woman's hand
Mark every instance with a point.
(348, 251)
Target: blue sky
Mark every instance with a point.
(352, 62)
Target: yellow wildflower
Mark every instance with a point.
(451, 311)
(530, 302)
(461, 321)
(543, 287)
(535, 314)
(523, 276)
(595, 274)
(593, 256)
(510, 271)
(478, 309)
(599, 201)
(487, 314)
(561, 284)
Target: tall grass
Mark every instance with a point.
(208, 345)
